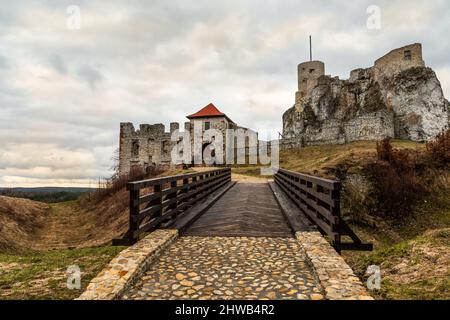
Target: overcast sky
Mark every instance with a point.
(63, 91)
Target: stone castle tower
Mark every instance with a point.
(308, 75)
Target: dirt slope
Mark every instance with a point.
(27, 224)
(20, 219)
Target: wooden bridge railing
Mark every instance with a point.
(159, 201)
(319, 200)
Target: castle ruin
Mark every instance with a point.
(397, 97)
(151, 145)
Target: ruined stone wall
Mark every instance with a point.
(147, 146)
(398, 60)
(368, 126)
(151, 146)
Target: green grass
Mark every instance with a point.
(252, 171)
(42, 275)
(423, 279)
(424, 259)
(432, 213)
(323, 159)
(427, 289)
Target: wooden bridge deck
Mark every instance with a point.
(246, 210)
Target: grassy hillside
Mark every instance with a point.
(323, 160)
(413, 255)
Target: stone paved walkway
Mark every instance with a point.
(228, 268)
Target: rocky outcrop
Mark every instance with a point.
(420, 110)
(408, 104)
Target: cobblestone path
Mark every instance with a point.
(228, 268)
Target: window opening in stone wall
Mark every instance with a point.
(311, 70)
(135, 148)
(408, 55)
(207, 125)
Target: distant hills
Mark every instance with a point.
(46, 194)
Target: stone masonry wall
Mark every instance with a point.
(399, 60)
(147, 146)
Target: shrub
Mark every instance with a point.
(396, 191)
(118, 183)
(385, 150)
(397, 180)
(439, 148)
(356, 199)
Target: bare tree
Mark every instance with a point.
(115, 166)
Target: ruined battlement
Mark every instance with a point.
(398, 60)
(145, 146)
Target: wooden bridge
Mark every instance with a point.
(245, 209)
(249, 239)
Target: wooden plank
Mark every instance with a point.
(310, 202)
(163, 205)
(324, 227)
(151, 182)
(355, 246)
(295, 217)
(190, 216)
(248, 209)
(322, 207)
(329, 184)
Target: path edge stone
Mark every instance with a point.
(128, 266)
(333, 274)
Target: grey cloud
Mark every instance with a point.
(3, 63)
(90, 74)
(58, 64)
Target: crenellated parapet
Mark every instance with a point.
(147, 146)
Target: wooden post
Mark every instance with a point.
(173, 195)
(158, 201)
(336, 213)
(133, 225)
(134, 212)
(186, 189)
(194, 187)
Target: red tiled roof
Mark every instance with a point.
(209, 111)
